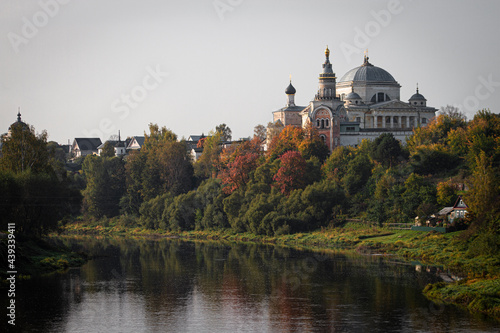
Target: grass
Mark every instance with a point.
(36, 256)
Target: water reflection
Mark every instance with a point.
(176, 286)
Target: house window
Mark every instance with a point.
(380, 97)
(358, 119)
(350, 129)
(424, 120)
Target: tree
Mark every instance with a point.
(291, 174)
(484, 195)
(446, 193)
(24, 150)
(206, 166)
(288, 139)
(312, 145)
(358, 172)
(453, 113)
(105, 185)
(108, 150)
(157, 135)
(224, 131)
(237, 173)
(259, 131)
(273, 130)
(386, 150)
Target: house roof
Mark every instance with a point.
(460, 203)
(445, 211)
(87, 143)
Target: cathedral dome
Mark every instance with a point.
(352, 95)
(290, 90)
(368, 73)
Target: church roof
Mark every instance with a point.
(352, 95)
(417, 97)
(368, 73)
(290, 90)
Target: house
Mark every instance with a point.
(85, 146)
(136, 143)
(458, 211)
(120, 147)
(445, 218)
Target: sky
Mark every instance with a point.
(92, 68)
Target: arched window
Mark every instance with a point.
(317, 123)
(323, 138)
(327, 123)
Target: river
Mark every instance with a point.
(170, 285)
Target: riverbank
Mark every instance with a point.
(479, 290)
(35, 256)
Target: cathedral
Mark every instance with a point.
(364, 103)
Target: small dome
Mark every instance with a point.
(19, 122)
(352, 95)
(417, 97)
(290, 90)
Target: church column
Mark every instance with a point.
(391, 121)
(407, 121)
(374, 120)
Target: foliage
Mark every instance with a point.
(446, 193)
(105, 186)
(484, 196)
(206, 166)
(35, 202)
(292, 172)
(24, 150)
(357, 174)
(387, 150)
(289, 138)
(34, 190)
(259, 132)
(225, 132)
(163, 165)
(108, 150)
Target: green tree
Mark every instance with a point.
(358, 172)
(24, 150)
(484, 195)
(446, 193)
(207, 165)
(108, 150)
(105, 185)
(387, 150)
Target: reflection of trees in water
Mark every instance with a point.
(298, 290)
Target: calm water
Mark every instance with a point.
(175, 286)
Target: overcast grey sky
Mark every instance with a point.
(90, 68)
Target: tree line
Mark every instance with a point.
(296, 184)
